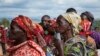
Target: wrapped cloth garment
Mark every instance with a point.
(96, 36)
(48, 39)
(77, 46)
(3, 36)
(32, 29)
(3, 39)
(86, 25)
(28, 47)
(27, 25)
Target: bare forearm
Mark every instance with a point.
(59, 47)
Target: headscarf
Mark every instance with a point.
(28, 26)
(31, 30)
(74, 19)
(89, 15)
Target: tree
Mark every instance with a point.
(5, 22)
(96, 23)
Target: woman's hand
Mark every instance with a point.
(41, 41)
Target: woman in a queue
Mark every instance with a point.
(49, 26)
(86, 24)
(22, 35)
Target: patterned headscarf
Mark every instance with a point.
(74, 19)
(32, 48)
(28, 26)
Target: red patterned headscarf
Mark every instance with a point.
(32, 48)
(28, 26)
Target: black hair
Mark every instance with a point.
(71, 10)
(90, 16)
(44, 17)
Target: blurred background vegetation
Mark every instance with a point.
(96, 23)
(6, 22)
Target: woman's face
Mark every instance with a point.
(16, 33)
(63, 25)
(46, 21)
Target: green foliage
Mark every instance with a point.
(96, 23)
(5, 22)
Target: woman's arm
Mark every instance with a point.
(59, 44)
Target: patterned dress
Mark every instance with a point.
(27, 48)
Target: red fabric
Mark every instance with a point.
(48, 39)
(3, 36)
(28, 48)
(86, 27)
(53, 23)
(26, 24)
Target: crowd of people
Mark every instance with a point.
(69, 34)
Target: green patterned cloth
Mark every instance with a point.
(77, 47)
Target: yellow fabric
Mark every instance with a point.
(74, 19)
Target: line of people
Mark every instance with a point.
(68, 35)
